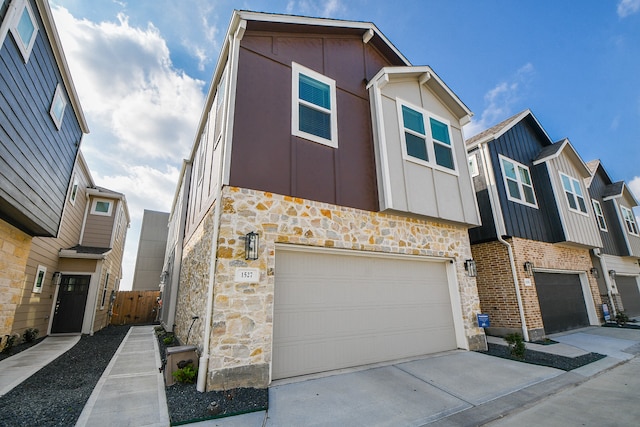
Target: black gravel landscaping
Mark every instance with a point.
(187, 405)
(56, 394)
(544, 359)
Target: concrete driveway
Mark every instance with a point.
(453, 388)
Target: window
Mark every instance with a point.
(104, 291)
(473, 165)
(426, 142)
(39, 281)
(629, 220)
(101, 207)
(314, 114)
(25, 30)
(74, 191)
(597, 209)
(57, 106)
(573, 191)
(517, 181)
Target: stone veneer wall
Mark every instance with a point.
(242, 331)
(14, 253)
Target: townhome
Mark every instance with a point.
(618, 262)
(326, 206)
(41, 127)
(533, 250)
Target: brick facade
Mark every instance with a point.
(242, 331)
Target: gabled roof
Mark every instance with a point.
(428, 77)
(105, 192)
(617, 190)
(554, 150)
(501, 128)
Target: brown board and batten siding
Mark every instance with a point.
(266, 156)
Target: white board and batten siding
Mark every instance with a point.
(336, 309)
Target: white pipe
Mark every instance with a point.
(493, 200)
(607, 280)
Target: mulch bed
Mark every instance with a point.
(18, 348)
(187, 405)
(625, 326)
(544, 359)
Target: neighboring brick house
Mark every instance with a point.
(618, 262)
(538, 228)
(349, 164)
(41, 127)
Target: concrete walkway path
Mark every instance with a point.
(17, 368)
(131, 389)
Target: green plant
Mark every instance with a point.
(10, 342)
(622, 318)
(30, 334)
(168, 340)
(186, 374)
(516, 345)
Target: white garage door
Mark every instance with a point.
(334, 311)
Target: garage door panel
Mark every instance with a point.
(562, 302)
(336, 311)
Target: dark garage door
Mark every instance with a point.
(561, 302)
(628, 288)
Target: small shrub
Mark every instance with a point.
(186, 374)
(10, 342)
(30, 334)
(168, 340)
(622, 318)
(516, 345)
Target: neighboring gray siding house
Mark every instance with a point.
(618, 261)
(151, 249)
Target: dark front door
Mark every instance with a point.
(561, 302)
(628, 288)
(72, 298)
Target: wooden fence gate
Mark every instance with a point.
(135, 307)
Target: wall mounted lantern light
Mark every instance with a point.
(528, 268)
(594, 272)
(251, 245)
(612, 274)
(470, 267)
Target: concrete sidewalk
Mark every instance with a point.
(17, 368)
(131, 389)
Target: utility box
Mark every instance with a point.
(178, 357)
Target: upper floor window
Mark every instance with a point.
(57, 106)
(517, 181)
(314, 114)
(597, 209)
(574, 194)
(74, 191)
(426, 139)
(473, 165)
(630, 220)
(25, 29)
(101, 207)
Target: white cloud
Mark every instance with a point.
(628, 7)
(142, 112)
(500, 100)
(634, 186)
(317, 8)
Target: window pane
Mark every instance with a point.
(444, 156)
(440, 131)
(524, 176)
(412, 120)
(571, 200)
(102, 207)
(603, 225)
(583, 207)
(528, 194)
(314, 122)
(25, 27)
(514, 190)
(58, 107)
(566, 183)
(577, 188)
(596, 208)
(313, 91)
(509, 169)
(416, 146)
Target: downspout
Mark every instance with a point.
(484, 155)
(607, 280)
(203, 366)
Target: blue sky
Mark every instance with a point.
(142, 67)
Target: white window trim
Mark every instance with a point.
(575, 195)
(296, 70)
(473, 165)
(20, 7)
(626, 211)
(520, 184)
(597, 207)
(105, 287)
(431, 154)
(41, 273)
(73, 194)
(94, 204)
(58, 96)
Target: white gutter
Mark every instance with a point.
(203, 366)
(500, 229)
(607, 280)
